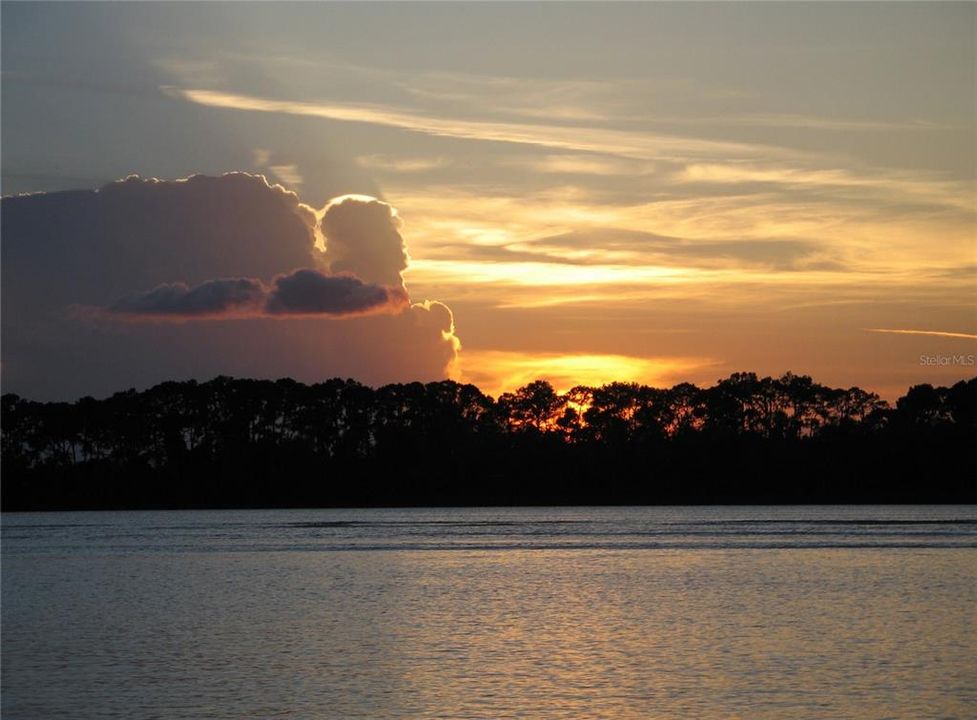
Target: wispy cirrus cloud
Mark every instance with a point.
(287, 173)
(638, 145)
(764, 227)
(399, 164)
(915, 187)
(810, 122)
(629, 100)
(934, 333)
(581, 164)
(682, 156)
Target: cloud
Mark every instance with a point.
(891, 185)
(209, 299)
(288, 173)
(436, 323)
(755, 237)
(310, 292)
(610, 246)
(94, 246)
(707, 161)
(581, 164)
(623, 143)
(145, 280)
(302, 292)
(935, 333)
(362, 236)
(394, 164)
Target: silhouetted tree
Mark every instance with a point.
(228, 442)
(534, 407)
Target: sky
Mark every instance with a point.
(581, 192)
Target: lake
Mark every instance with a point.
(677, 612)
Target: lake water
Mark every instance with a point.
(742, 612)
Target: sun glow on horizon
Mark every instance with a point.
(498, 371)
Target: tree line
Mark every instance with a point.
(260, 443)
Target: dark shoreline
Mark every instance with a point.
(22, 511)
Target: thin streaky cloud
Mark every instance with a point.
(288, 174)
(395, 164)
(640, 146)
(937, 333)
(577, 99)
(809, 122)
(706, 159)
(933, 190)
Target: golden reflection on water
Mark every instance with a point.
(769, 634)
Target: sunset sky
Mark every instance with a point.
(637, 191)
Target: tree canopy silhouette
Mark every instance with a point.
(249, 443)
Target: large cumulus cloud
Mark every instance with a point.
(91, 281)
(363, 238)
